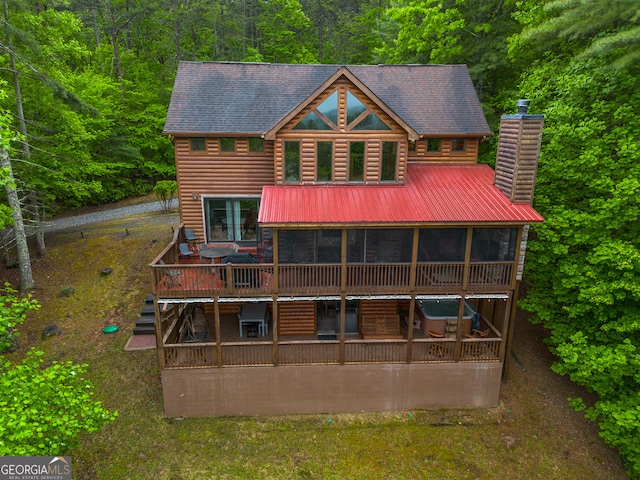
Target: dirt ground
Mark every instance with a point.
(538, 394)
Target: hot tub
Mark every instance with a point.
(437, 313)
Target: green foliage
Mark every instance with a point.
(421, 31)
(282, 25)
(587, 28)
(13, 312)
(44, 410)
(165, 190)
(584, 261)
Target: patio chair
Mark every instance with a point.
(189, 235)
(173, 275)
(184, 249)
(477, 349)
(475, 333)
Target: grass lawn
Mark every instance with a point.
(532, 434)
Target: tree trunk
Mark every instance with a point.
(96, 29)
(113, 30)
(24, 259)
(38, 218)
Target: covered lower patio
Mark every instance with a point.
(311, 331)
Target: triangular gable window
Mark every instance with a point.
(355, 108)
(312, 122)
(355, 112)
(324, 117)
(371, 122)
(329, 108)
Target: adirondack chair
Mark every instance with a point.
(189, 235)
(184, 249)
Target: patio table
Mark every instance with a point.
(215, 252)
(253, 313)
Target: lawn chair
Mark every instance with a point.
(184, 250)
(190, 236)
(173, 275)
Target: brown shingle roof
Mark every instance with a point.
(250, 98)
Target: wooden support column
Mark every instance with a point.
(275, 254)
(276, 359)
(510, 313)
(343, 318)
(463, 294)
(216, 319)
(412, 292)
(276, 283)
(343, 300)
(159, 336)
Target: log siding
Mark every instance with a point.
(215, 173)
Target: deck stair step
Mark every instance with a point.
(146, 323)
(451, 326)
(148, 330)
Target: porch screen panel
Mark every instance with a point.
(493, 244)
(379, 245)
(355, 246)
(442, 244)
(329, 246)
(296, 246)
(388, 245)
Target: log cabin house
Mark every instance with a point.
(350, 254)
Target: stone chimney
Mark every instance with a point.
(518, 152)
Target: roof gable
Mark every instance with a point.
(343, 71)
(254, 98)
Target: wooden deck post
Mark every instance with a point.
(276, 359)
(216, 316)
(159, 339)
(412, 293)
(343, 299)
(343, 320)
(507, 330)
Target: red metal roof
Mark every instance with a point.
(446, 193)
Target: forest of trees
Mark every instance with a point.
(85, 87)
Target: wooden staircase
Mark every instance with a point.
(146, 323)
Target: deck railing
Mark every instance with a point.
(433, 350)
(197, 280)
(320, 352)
(375, 351)
(327, 352)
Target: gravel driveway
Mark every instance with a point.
(104, 216)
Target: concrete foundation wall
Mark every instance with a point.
(329, 388)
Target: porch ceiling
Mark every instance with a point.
(440, 194)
